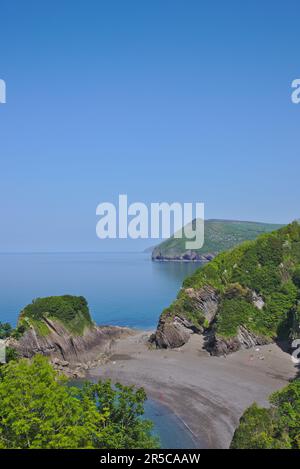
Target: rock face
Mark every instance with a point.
(258, 301)
(205, 300)
(191, 256)
(66, 350)
(173, 332)
(243, 340)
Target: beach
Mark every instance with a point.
(208, 394)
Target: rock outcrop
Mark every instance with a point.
(205, 300)
(69, 352)
(174, 331)
(190, 256)
(243, 340)
(172, 334)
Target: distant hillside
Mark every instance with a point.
(219, 235)
(246, 296)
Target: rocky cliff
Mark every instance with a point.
(244, 339)
(174, 330)
(48, 332)
(245, 297)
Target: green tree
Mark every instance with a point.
(275, 427)
(124, 405)
(5, 330)
(39, 410)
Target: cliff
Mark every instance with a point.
(245, 297)
(62, 329)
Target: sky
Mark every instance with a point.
(162, 100)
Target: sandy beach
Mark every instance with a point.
(207, 393)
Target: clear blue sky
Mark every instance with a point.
(162, 100)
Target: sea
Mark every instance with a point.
(125, 289)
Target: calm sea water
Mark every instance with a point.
(125, 289)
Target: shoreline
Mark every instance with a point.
(207, 394)
(184, 436)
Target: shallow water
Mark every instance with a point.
(172, 432)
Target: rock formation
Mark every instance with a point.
(62, 329)
(175, 331)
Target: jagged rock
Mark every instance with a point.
(191, 256)
(58, 362)
(66, 349)
(243, 340)
(175, 331)
(171, 335)
(258, 301)
(206, 300)
(78, 375)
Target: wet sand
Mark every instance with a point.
(207, 393)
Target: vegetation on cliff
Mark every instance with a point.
(5, 330)
(220, 235)
(272, 428)
(39, 410)
(71, 311)
(267, 269)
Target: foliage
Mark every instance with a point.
(39, 410)
(236, 311)
(220, 235)
(268, 267)
(72, 311)
(11, 354)
(5, 330)
(276, 427)
(124, 407)
(296, 277)
(184, 306)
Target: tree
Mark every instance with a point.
(124, 427)
(5, 330)
(39, 410)
(275, 427)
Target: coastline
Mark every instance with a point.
(171, 259)
(208, 394)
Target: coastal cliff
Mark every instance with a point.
(220, 235)
(175, 326)
(61, 328)
(245, 297)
